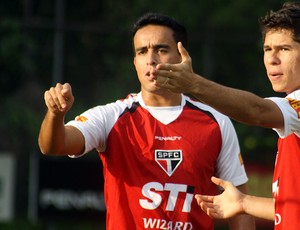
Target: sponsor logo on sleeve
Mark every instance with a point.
(295, 105)
(241, 159)
(81, 118)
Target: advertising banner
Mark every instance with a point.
(7, 185)
(70, 189)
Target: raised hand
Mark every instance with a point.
(59, 99)
(176, 77)
(225, 205)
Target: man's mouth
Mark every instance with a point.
(150, 76)
(275, 75)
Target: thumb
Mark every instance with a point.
(183, 52)
(219, 182)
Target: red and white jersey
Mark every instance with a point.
(286, 180)
(156, 159)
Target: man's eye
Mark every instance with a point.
(284, 49)
(162, 51)
(141, 52)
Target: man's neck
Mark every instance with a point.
(158, 100)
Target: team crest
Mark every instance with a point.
(168, 160)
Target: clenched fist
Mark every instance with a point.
(59, 99)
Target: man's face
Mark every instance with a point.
(282, 60)
(153, 45)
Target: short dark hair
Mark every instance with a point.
(288, 17)
(180, 33)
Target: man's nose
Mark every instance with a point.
(273, 58)
(151, 58)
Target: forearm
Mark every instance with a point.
(242, 221)
(232, 102)
(52, 135)
(57, 139)
(260, 207)
(240, 105)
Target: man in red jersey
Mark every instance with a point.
(158, 148)
(281, 35)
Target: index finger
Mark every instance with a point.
(63, 94)
(66, 91)
(204, 198)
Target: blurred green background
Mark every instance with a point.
(88, 44)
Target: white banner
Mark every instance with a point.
(7, 184)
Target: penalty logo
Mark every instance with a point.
(168, 160)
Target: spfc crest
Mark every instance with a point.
(168, 160)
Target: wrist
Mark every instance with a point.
(245, 204)
(55, 116)
(197, 86)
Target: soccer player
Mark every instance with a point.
(281, 37)
(158, 148)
